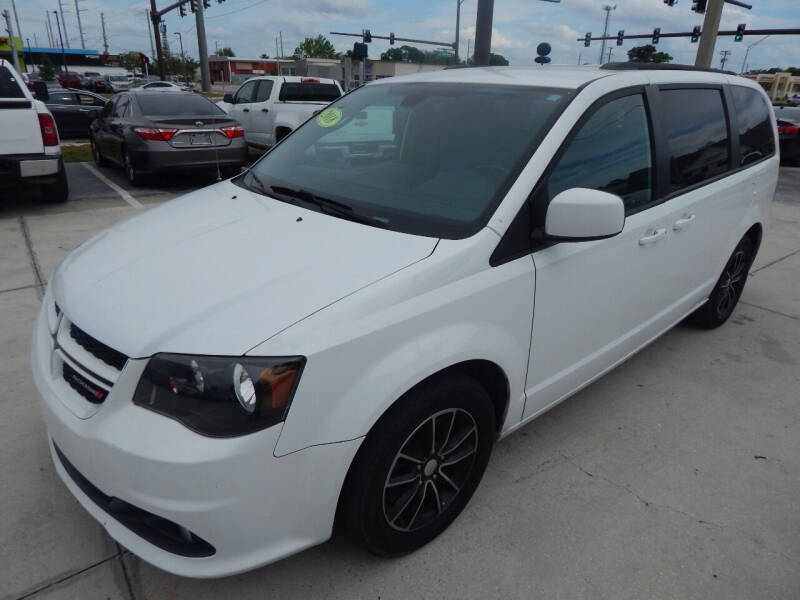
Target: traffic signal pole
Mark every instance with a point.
(708, 39)
(156, 17)
(202, 49)
(483, 32)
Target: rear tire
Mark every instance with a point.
(726, 293)
(419, 465)
(58, 191)
(133, 175)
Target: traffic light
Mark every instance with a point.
(699, 6)
(206, 3)
(669, 2)
(193, 5)
(739, 32)
(391, 39)
(620, 37)
(695, 34)
(367, 36)
(656, 34)
(359, 51)
(143, 59)
(587, 39)
(182, 10)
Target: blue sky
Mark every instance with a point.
(250, 26)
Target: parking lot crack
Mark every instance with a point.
(47, 584)
(37, 272)
(771, 263)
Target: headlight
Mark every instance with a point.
(219, 396)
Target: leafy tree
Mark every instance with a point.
(318, 47)
(497, 60)
(130, 61)
(46, 68)
(647, 53)
(264, 55)
(226, 51)
(404, 54)
(393, 55)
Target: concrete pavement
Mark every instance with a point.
(675, 476)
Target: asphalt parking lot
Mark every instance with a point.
(677, 475)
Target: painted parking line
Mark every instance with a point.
(123, 194)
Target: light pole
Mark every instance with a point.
(608, 8)
(61, 39)
(30, 56)
(183, 56)
(744, 62)
(458, 26)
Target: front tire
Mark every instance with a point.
(728, 290)
(98, 157)
(419, 465)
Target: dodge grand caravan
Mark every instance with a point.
(342, 332)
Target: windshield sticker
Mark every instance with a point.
(329, 117)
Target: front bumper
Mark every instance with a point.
(234, 494)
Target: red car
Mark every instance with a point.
(69, 79)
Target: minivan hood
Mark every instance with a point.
(220, 270)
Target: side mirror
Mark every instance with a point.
(581, 215)
(228, 98)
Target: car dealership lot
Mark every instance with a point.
(675, 476)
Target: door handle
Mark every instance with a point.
(683, 222)
(264, 110)
(245, 110)
(653, 235)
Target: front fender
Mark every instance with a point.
(365, 351)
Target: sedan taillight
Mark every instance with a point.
(48, 128)
(156, 134)
(234, 131)
(790, 129)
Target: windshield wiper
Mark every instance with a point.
(327, 205)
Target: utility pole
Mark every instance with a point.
(705, 50)
(19, 31)
(610, 51)
(277, 53)
(608, 8)
(64, 25)
(458, 27)
(156, 18)
(469, 41)
(183, 56)
(80, 26)
(150, 32)
(105, 39)
(63, 54)
(483, 32)
(30, 56)
(50, 37)
(724, 54)
(10, 31)
(202, 48)
(280, 33)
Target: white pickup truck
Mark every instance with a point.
(30, 150)
(268, 108)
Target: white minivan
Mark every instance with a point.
(344, 331)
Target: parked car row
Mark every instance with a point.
(789, 133)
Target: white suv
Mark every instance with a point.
(420, 269)
(30, 150)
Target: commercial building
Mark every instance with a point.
(76, 59)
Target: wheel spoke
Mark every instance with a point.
(402, 480)
(436, 498)
(419, 506)
(411, 495)
(433, 434)
(458, 457)
(460, 441)
(449, 431)
(449, 481)
(405, 456)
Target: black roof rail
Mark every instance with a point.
(648, 66)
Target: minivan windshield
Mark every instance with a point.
(431, 159)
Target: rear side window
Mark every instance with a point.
(177, 105)
(610, 152)
(61, 98)
(756, 139)
(264, 90)
(697, 136)
(9, 86)
(309, 92)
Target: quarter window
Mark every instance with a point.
(756, 139)
(264, 90)
(697, 135)
(610, 152)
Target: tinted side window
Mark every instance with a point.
(9, 86)
(610, 152)
(697, 135)
(264, 90)
(756, 139)
(61, 98)
(121, 106)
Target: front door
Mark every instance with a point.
(242, 106)
(596, 302)
(262, 115)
